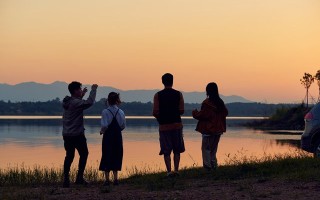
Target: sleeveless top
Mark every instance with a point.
(169, 112)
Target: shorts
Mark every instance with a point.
(171, 141)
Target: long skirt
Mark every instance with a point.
(112, 152)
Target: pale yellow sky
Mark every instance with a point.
(253, 48)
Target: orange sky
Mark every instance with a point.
(256, 49)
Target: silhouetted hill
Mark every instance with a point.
(31, 91)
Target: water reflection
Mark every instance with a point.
(35, 141)
(293, 143)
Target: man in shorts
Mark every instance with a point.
(168, 106)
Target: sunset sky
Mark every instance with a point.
(258, 49)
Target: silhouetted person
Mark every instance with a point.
(167, 109)
(73, 129)
(211, 124)
(112, 123)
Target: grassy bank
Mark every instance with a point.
(289, 167)
(298, 167)
(279, 177)
(35, 176)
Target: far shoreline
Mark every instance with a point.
(13, 117)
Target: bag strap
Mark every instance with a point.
(113, 116)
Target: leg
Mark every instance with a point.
(205, 148)
(178, 147)
(115, 178)
(213, 152)
(83, 153)
(176, 159)
(107, 175)
(107, 181)
(70, 149)
(166, 148)
(115, 175)
(167, 161)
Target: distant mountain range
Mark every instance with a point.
(31, 91)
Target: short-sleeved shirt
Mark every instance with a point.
(106, 117)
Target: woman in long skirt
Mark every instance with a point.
(112, 123)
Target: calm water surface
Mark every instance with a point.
(37, 141)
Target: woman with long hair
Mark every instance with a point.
(211, 124)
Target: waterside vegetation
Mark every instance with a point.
(284, 118)
(299, 165)
(280, 177)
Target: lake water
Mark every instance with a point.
(37, 141)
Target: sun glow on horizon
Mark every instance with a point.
(255, 49)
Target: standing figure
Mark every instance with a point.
(167, 109)
(211, 124)
(112, 123)
(73, 129)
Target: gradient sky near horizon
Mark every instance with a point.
(257, 49)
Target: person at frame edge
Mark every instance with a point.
(73, 129)
(211, 124)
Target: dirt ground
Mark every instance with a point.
(239, 189)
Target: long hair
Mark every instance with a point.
(213, 94)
